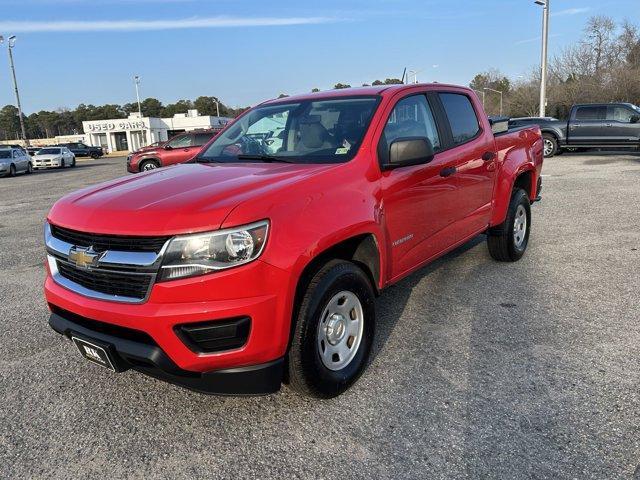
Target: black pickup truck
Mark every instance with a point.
(594, 125)
(79, 149)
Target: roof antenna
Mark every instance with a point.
(403, 74)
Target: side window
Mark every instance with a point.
(591, 113)
(181, 141)
(618, 113)
(202, 138)
(411, 117)
(461, 115)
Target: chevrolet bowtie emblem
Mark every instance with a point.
(84, 257)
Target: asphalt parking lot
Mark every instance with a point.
(481, 369)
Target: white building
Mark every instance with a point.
(129, 134)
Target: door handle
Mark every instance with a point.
(608, 125)
(448, 171)
(488, 156)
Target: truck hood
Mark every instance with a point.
(181, 199)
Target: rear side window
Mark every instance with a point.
(202, 138)
(411, 117)
(591, 113)
(461, 115)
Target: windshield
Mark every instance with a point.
(636, 108)
(309, 131)
(5, 153)
(49, 151)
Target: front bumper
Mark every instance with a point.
(46, 163)
(131, 349)
(256, 290)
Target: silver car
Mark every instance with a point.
(54, 157)
(14, 160)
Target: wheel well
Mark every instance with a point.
(550, 133)
(361, 250)
(524, 181)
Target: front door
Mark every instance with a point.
(178, 149)
(620, 127)
(420, 201)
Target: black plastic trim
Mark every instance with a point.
(151, 360)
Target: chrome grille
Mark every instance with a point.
(118, 284)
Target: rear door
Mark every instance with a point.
(587, 125)
(619, 125)
(473, 151)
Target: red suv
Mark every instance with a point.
(177, 150)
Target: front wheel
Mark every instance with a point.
(508, 241)
(73, 162)
(95, 155)
(29, 168)
(148, 165)
(334, 331)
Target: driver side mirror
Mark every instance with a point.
(634, 118)
(168, 147)
(404, 152)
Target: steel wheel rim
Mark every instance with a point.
(548, 146)
(340, 330)
(520, 226)
(148, 166)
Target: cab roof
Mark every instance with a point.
(357, 91)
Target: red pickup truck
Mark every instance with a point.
(259, 262)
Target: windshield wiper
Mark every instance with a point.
(203, 160)
(263, 158)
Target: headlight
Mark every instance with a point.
(190, 255)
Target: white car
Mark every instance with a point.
(14, 160)
(54, 157)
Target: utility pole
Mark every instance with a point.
(481, 92)
(11, 42)
(543, 60)
(136, 80)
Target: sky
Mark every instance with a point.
(244, 51)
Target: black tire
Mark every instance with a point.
(12, 170)
(95, 155)
(550, 145)
(73, 162)
(501, 240)
(29, 168)
(307, 374)
(148, 165)
(62, 164)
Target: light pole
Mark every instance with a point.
(11, 42)
(481, 92)
(543, 62)
(217, 108)
(136, 80)
(497, 91)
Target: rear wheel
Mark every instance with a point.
(550, 145)
(73, 162)
(508, 241)
(334, 331)
(29, 168)
(12, 170)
